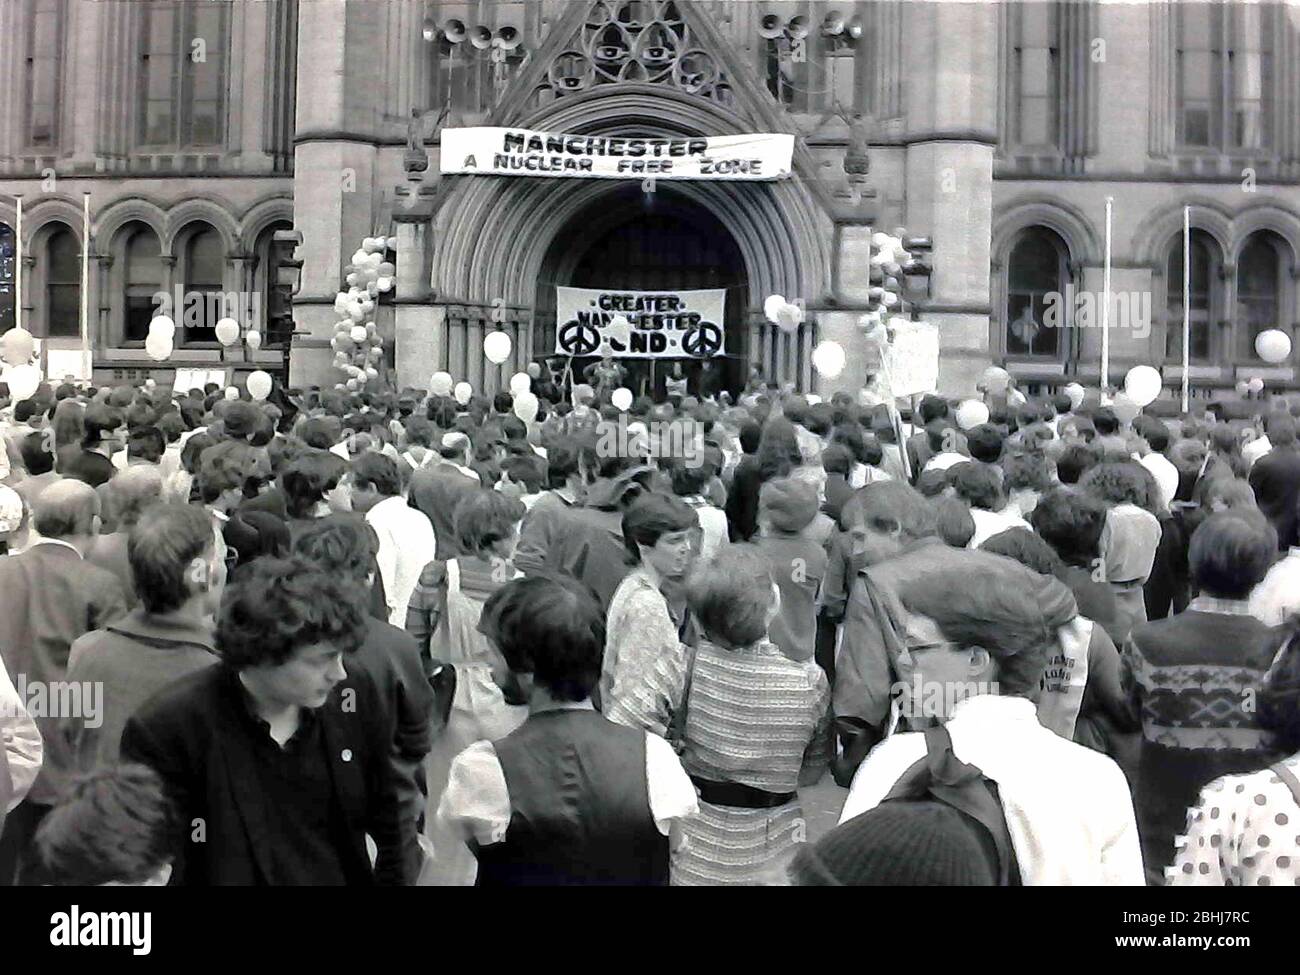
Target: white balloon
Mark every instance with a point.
(496, 346)
(1273, 345)
(385, 285)
(525, 407)
(772, 305)
(254, 340)
(463, 392)
(356, 312)
(162, 325)
(227, 331)
(259, 385)
(341, 303)
(368, 244)
(392, 243)
(622, 398)
(359, 258)
(1142, 384)
(381, 243)
(358, 333)
(828, 359)
(1076, 393)
(158, 346)
(971, 413)
(1255, 385)
(787, 318)
(22, 381)
(440, 383)
(232, 392)
(520, 383)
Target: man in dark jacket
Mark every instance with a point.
(345, 546)
(49, 596)
(436, 489)
(1275, 479)
(279, 768)
(742, 495)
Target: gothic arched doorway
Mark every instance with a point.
(657, 241)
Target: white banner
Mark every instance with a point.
(659, 324)
(521, 152)
(913, 357)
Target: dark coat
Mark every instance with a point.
(1275, 479)
(435, 490)
(183, 734)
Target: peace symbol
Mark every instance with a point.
(579, 339)
(702, 341)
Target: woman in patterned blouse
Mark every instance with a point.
(1245, 829)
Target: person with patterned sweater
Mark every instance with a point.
(1193, 680)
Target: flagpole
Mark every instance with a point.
(18, 262)
(86, 367)
(1187, 306)
(1105, 305)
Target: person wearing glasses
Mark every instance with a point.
(974, 648)
(179, 562)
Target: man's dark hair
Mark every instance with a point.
(441, 411)
(1154, 431)
(376, 470)
(953, 520)
(984, 443)
(1072, 523)
(342, 544)
(1279, 696)
(526, 469)
(1231, 552)
(978, 485)
(146, 443)
(933, 408)
(140, 414)
(37, 457)
(1061, 403)
(164, 549)
(1075, 461)
(502, 402)
(750, 435)
(308, 478)
(837, 459)
(99, 420)
(113, 825)
(321, 432)
(550, 628)
(1105, 421)
(1026, 548)
(513, 428)
(484, 517)
(562, 458)
(688, 479)
(275, 607)
(24, 410)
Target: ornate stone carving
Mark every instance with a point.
(641, 41)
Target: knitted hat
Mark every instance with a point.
(790, 504)
(900, 843)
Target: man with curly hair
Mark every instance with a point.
(277, 768)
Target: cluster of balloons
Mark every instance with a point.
(358, 348)
(785, 315)
(17, 346)
(1252, 385)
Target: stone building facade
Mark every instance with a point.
(998, 130)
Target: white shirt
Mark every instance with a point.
(20, 739)
(476, 802)
(406, 545)
(1165, 473)
(1278, 594)
(990, 523)
(1256, 449)
(1068, 808)
(944, 460)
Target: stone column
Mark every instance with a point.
(335, 151)
(251, 67)
(84, 91)
(952, 132)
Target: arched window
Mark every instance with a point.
(263, 280)
(1260, 267)
(142, 279)
(1205, 263)
(8, 316)
(1036, 274)
(202, 270)
(63, 284)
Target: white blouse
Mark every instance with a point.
(1243, 831)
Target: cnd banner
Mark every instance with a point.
(639, 324)
(520, 152)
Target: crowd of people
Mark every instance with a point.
(393, 638)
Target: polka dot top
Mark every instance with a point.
(1243, 831)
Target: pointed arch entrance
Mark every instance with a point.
(662, 241)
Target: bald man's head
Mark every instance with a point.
(133, 490)
(66, 509)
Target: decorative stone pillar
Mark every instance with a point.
(84, 91)
(951, 135)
